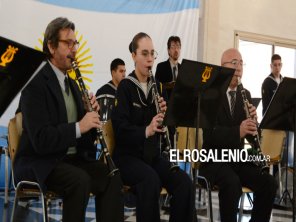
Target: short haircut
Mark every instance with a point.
(275, 57)
(52, 33)
(173, 39)
(115, 63)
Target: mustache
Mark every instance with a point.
(69, 56)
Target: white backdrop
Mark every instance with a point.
(106, 30)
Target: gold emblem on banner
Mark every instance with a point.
(8, 55)
(206, 74)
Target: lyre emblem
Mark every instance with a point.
(7, 56)
(206, 74)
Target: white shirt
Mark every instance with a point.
(278, 80)
(145, 88)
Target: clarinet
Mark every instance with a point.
(255, 139)
(110, 164)
(168, 146)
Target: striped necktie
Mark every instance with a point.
(67, 87)
(232, 100)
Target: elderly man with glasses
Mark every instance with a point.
(232, 127)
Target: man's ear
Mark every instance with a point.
(134, 56)
(50, 47)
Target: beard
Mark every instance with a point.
(176, 56)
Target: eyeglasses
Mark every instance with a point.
(71, 44)
(175, 47)
(235, 62)
(146, 53)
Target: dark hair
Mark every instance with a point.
(275, 57)
(173, 39)
(115, 63)
(134, 43)
(52, 33)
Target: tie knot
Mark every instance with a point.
(232, 101)
(232, 93)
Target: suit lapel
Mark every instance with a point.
(170, 73)
(226, 106)
(239, 106)
(55, 89)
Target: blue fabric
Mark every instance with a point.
(185, 166)
(3, 143)
(127, 6)
(2, 172)
(3, 133)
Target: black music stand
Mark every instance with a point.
(281, 115)
(18, 64)
(196, 98)
(256, 101)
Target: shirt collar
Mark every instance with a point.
(60, 75)
(231, 90)
(173, 65)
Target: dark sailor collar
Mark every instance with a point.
(133, 78)
(272, 77)
(111, 84)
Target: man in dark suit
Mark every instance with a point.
(167, 71)
(57, 144)
(232, 127)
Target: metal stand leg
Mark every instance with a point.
(285, 193)
(6, 178)
(241, 207)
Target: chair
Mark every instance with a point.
(109, 137)
(185, 139)
(24, 189)
(272, 144)
(245, 192)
